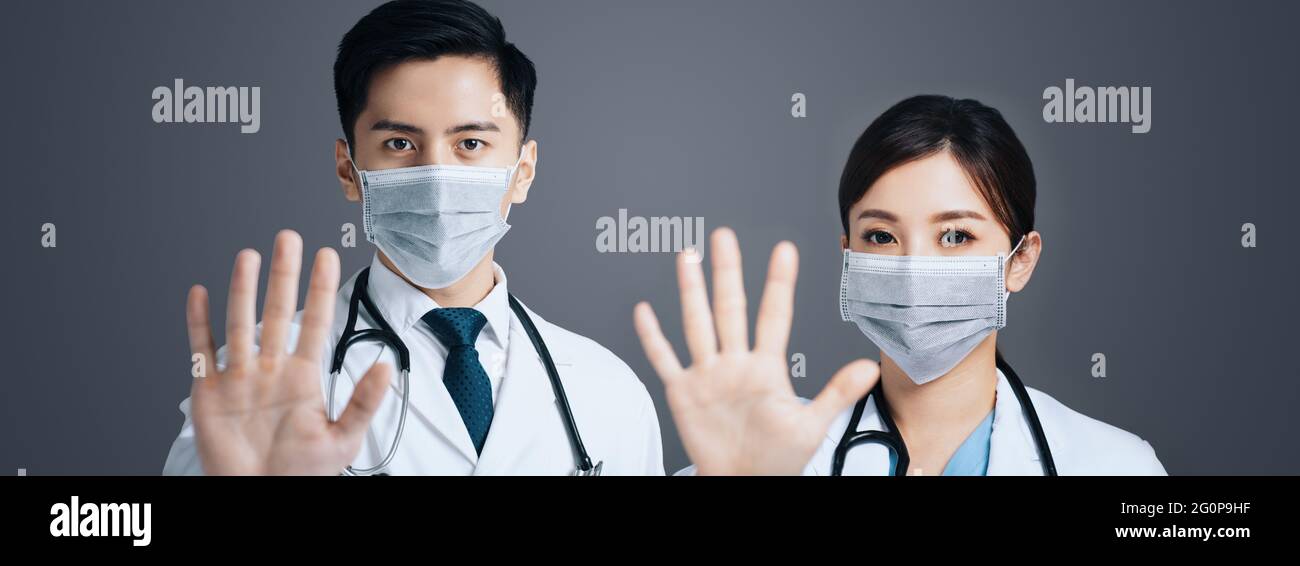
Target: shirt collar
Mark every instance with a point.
(402, 304)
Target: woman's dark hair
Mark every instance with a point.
(980, 141)
(976, 135)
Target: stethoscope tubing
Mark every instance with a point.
(384, 334)
(893, 441)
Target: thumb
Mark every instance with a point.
(365, 401)
(846, 387)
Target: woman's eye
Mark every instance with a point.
(471, 144)
(399, 144)
(954, 238)
(879, 238)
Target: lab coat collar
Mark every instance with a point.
(402, 304)
(870, 458)
(1011, 446)
(1012, 451)
(519, 397)
(522, 402)
(525, 400)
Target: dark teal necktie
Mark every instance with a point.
(466, 381)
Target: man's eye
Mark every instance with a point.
(471, 144)
(878, 238)
(954, 238)
(399, 144)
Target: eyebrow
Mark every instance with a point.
(473, 127)
(397, 127)
(956, 214)
(877, 213)
(393, 126)
(940, 217)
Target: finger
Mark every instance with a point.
(241, 308)
(846, 387)
(318, 314)
(366, 398)
(281, 292)
(729, 291)
(657, 348)
(200, 328)
(776, 308)
(697, 320)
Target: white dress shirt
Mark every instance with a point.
(403, 305)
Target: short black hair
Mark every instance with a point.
(404, 30)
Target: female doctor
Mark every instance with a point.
(937, 211)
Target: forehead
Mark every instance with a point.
(438, 93)
(922, 187)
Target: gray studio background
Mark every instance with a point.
(668, 109)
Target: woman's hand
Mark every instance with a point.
(734, 407)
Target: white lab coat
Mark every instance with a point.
(613, 411)
(1080, 445)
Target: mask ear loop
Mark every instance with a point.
(1006, 294)
(1013, 250)
(353, 164)
(361, 184)
(510, 179)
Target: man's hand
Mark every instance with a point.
(734, 407)
(265, 413)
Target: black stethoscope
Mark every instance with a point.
(894, 441)
(384, 333)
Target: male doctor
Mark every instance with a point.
(435, 106)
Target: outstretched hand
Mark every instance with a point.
(735, 407)
(264, 413)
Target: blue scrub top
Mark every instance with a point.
(971, 458)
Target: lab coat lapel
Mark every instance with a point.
(525, 400)
(866, 459)
(430, 400)
(1011, 446)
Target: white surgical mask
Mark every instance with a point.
(925, 312)
(435, 222)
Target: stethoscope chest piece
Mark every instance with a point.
(592, 471)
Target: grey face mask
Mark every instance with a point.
(925, 312)
(435, 222)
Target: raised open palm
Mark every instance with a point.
(265, 414)
(734, 407)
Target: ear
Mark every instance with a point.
(525, 174)
(844, 242)
(343, 169)
(1024, 262)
